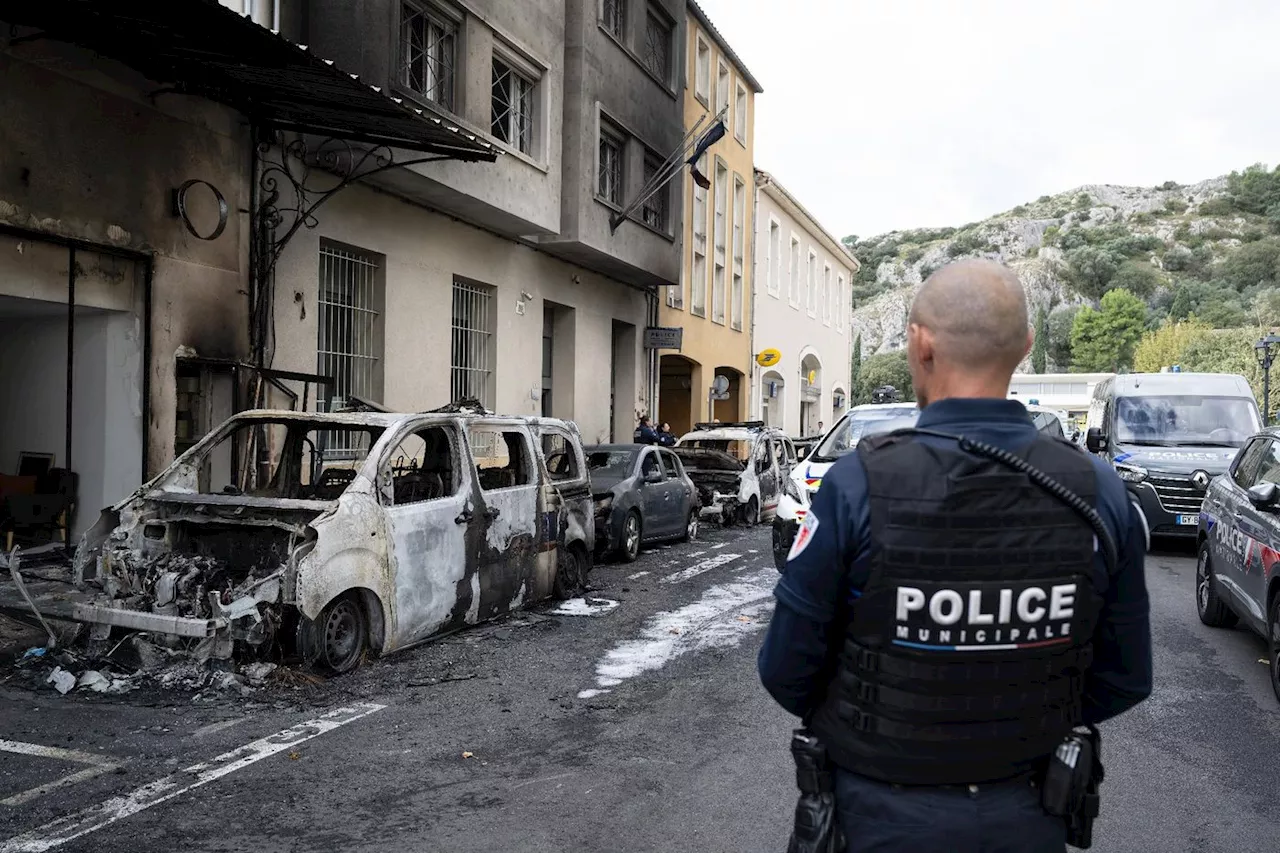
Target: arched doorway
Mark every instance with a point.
(679, 386)
(730, 408)
(773, 399)
(810, 394)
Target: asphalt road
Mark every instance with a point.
(635, 727)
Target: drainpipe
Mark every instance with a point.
(756, 390)
(651, 296)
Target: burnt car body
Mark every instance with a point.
(739, 469)
(642, 494)
(342, 533)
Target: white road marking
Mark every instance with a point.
(70, 827)
(98, 764)
(719, 544)
(711, 622)
(217, 727)
(636, 575)
(700, 568)
(585, 607)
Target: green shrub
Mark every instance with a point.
(1083, 201)
(1060, 213)
(1142, 219)
(1170, 185)
(1220, 206)
(1175, 206)
(1050, 236)
(1044, 199)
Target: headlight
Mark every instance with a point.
(604, 504)
(1131, 473)
(792, 490)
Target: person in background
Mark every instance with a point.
(645, 433)
(665, 436)
(819, 427)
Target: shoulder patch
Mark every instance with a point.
(804, 535)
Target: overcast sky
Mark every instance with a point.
(884, 114)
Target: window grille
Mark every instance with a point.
(428, 44)
(470, 366)
(655, 209)
(348, 347)
(657, 46)
(613, 16)
(610, 180)
(512, 108)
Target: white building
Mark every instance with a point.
(1069, 392)
(803, 279)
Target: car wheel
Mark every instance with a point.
(751, 514)
(339, 637)
(631, 530)
(691, 526)
(571, 573)
(780, 548)
(1213, 611)
(1273, 630)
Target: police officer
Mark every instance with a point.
(645, 433)
(942, 622)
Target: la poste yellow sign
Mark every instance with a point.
(768, 357)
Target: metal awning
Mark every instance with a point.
(201, 48)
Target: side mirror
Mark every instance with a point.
(1095, 440)
(1264, 496)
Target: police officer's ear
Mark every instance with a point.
(920, 343)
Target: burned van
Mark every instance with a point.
(342, 534)
(738, 468)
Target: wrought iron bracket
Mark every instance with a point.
(295, 178)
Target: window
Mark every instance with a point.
(774, 260)
(656, 208)
(722, 88)
(793, 284)
(1269, 464)
(609, 185)
(613, 17)
(560, 455)
(649, 465)
(512, 107)
(501, 456)
(420, 468)
(670, 465)
(428, 53)
(811, 285)
(349, 341)
(657, 44)
(842, 303)
(1246, 464)
(702, 71)
(740, 114)
(826, 294)
(739, 249)
(721, 202)
(470, 358)
(698, 279)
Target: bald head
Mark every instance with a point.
(976, 314)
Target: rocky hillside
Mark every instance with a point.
(1177, 247)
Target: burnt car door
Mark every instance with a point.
(425, 487)
(510, 528)
(683, 496)
(568, 511)
(767, 474)
(655, 500)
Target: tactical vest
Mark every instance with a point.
(964, 655)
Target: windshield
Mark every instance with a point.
(609, 464)
(738, 449)
(859, 424)
(1184, 419)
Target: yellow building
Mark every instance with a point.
(713, 301)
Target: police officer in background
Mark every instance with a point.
(942, 622)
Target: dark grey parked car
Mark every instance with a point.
(642, 494)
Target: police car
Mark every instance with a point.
(1238, 565)
(841, 439)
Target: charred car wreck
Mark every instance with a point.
(337, 535)
(738, 468)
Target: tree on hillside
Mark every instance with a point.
(1229, 351)
(1040, 346)
(1058, 339)
(855, 370)
(1213, 302)
(886, 368)
(1252, 265)
(1257, 191)
(1090, 270)
(1265, 309)
(1137, 277)
(1167, 345)
(1104, 339)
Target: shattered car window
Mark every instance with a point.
(613, 464)
(502, 457)
(737, 448)
(298, 460)
(560, 457)
(421, 467)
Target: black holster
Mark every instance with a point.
(817, 828)
(1071, 781)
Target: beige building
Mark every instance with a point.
(713, 303)
(802, 310)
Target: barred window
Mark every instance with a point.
(471, 370)
(349, 331)
(613, 16)
(428, 48)
(609, 185)
(512, 107)
(656, 208)
(657, 45)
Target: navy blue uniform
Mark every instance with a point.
(800, 648)
(646, 434)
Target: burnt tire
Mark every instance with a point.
(691, 526)
(632, 531)
(339, 638)
(1213, 611)
(781, 547)
(572, 569)
(751, 513)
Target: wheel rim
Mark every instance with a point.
(632, 535)
(1275, 646)
(342, 635)
(1202, 583)
(693, 525)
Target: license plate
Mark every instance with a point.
(1188, 520)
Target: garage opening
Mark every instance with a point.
(72, 362)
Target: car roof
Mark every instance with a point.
(1225, 384)
(880, 407)
(628, 448)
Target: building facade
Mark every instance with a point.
(802, 310)
(199, 215)
(713, 302)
